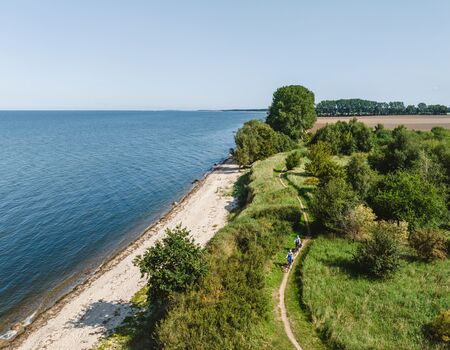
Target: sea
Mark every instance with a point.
(76, 187)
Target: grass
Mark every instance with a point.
(354, 312)
(236, 304)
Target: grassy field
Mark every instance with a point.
(354, 312)
(265, 184)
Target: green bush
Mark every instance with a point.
(293, 160)
(322, 165)
(360, 176)
(172, 265)
(346, 137)
(379, 256)
(404, 196)
(331, 203)
(256, 140)
(439, 329)
(429, 244)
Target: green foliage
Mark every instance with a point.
(322, 164)
(439, 329)
(400, 152)
(256, 140)
(359, 222)
(346, 138)
(331, 203)
(356, 106)
(360, 176)
(404, 196)
(172, 265)
(380, 255)
(293, 160)
(429, 169)
(429, 244)
(292, 111)
(231, 303)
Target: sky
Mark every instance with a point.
(114, 54)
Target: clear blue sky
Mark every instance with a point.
(108, 54)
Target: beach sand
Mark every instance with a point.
(84, 316)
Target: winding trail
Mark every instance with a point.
(281, 305)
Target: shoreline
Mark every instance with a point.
(40, 319)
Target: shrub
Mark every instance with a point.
(293, 160)
(400, 152)
(331, 203)
(404, 196)
(346, 137)
(379, 256)
(439, 329)
(292, 111)
(321, 164)
(256, 140)
(429, 244)
(172, 265)
(359, 175)
(359, 222)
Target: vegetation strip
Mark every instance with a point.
(281, 305)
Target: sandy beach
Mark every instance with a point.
(416, 122)
(80, 319)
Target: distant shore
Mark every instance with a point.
(108, 292)
(416, 122)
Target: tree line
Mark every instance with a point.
(356, 106)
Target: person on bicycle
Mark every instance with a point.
(290, 258)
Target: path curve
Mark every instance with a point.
(281, 305)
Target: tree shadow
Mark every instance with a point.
(102, 314)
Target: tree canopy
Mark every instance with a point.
(404, 196)
(292, 111)
(256, 140)
(356, 106)
(172, 265)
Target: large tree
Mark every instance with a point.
(292, 111)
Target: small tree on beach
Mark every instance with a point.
(173, 264)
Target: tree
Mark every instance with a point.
(359, 222)
(380, 255)
(404, 196)
(292, 111)
(331, 203)
(346, 138)
(293, 160)
(322, 165)
(256, 140)
(360, 176)
(172, 265)
(422, 108)
(400, 152)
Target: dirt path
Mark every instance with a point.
(281, 305)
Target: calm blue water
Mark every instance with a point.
(76, 186)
